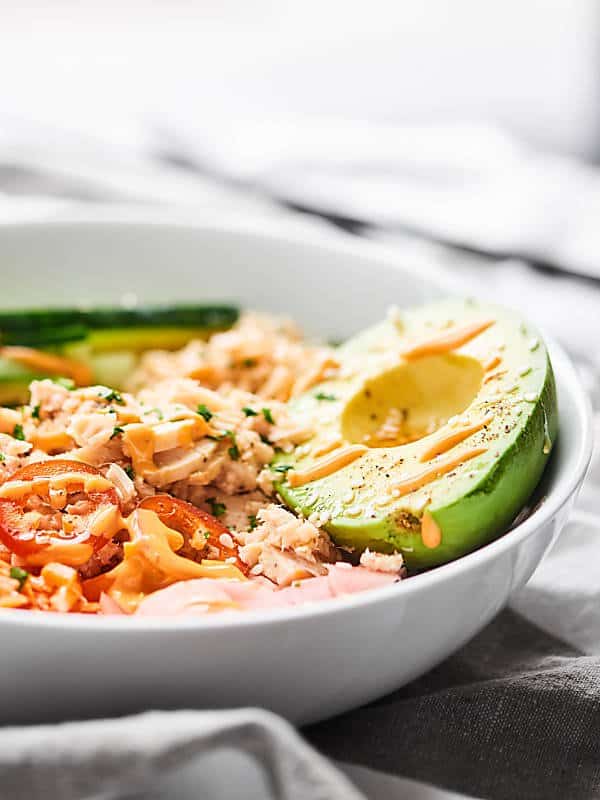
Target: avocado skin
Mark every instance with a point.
(473, 520)
(487, 511)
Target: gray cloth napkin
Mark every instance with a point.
(515, 714)
(129, 757)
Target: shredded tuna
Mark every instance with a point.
(380, 562)
(262, 355)
(287, 548)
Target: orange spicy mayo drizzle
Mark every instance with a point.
(434, 471)
(447, 341)
(493, 362)
(431, 533)
(331, 463)
(454, 437)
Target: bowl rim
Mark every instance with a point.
(567, 379)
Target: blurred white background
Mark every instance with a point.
(105, 68)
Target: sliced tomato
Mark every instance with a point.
(53, 467)
(188, 520)
(22, 536)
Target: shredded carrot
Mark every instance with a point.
(445, 342)
(48, 362)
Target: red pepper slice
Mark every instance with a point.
(26, 533)
(188, 520)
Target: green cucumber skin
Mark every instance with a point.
(503, 492)
(45, 338)
(53, 327)
(176, 315)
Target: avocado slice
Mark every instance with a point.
(444, 417)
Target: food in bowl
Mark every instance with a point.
(251, 469)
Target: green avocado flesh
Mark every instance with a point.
(407, 409)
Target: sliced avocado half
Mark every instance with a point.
(444, 415)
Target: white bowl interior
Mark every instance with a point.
(331, 289)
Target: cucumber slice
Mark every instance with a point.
(55, 326)
(194, 317)
(140, 339)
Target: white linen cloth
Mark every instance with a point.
(166, 755)
(465, 184)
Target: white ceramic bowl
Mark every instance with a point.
(305, 663)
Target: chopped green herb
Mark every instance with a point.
(225, 435)
(282, 468)
(268, 416)
(35, 412)
(252, 521)
(234, 452)
(111, 394)
(116, 431)
(216, 509)
(204, 412)
(129, 471)
(264, 439)
(18, 574)
(250, 412)
(2, 458)
(249, 362)
(66, 383)
(324, 396)
(18, 432)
